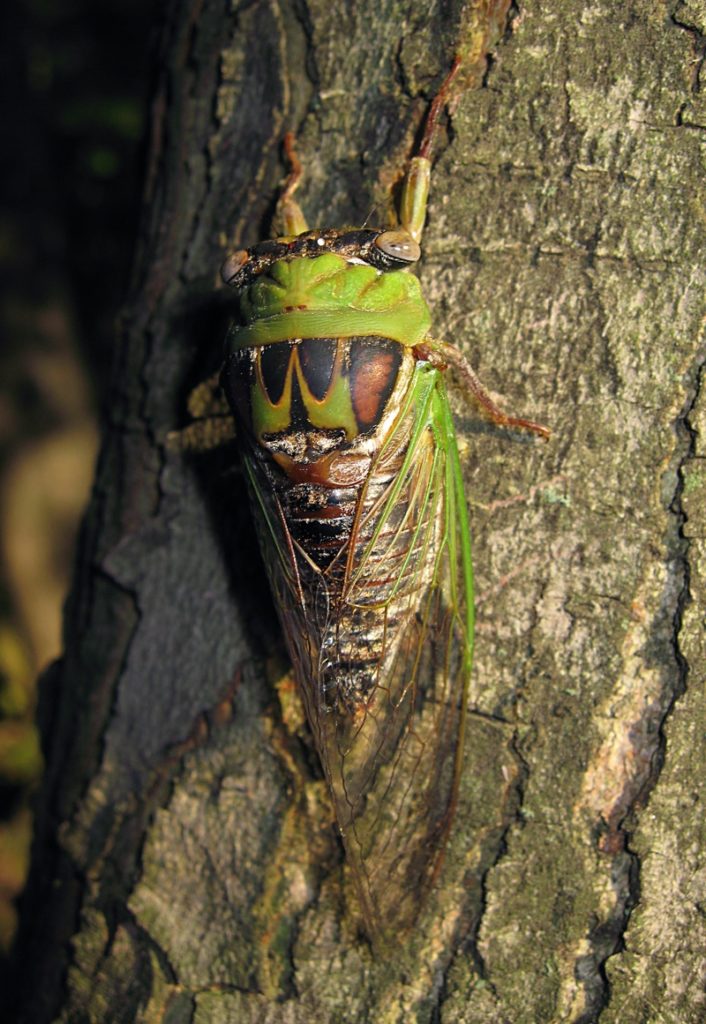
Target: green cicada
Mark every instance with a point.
(348, 444)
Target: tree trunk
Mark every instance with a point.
(186, 866)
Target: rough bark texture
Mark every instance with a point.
(187, 868)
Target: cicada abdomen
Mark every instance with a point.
(348, 443)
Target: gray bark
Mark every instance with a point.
(187, 867)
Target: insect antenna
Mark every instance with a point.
(373, 209)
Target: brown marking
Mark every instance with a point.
(327, 512)
(373, 376)
(334, 470)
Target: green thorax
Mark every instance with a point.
(328, 296)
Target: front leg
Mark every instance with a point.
(443, 355)
(289, 212)
(415, 190)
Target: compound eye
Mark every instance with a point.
(233, 263)
(398, 246)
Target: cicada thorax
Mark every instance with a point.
(317, 406)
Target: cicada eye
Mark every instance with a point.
(398, 246)
(234, 262)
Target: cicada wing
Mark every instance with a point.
(381, 647)
(393, 760)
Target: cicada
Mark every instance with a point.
(339, 396)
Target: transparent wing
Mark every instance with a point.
(381, 644)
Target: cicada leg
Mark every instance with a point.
(413, 211)
(213, 423)
(289, 212)
(443, 355)
(415, 190)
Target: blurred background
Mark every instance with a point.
(75, 81)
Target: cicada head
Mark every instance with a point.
(327, 283)
(385, 250)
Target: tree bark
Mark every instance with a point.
(186, 865)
